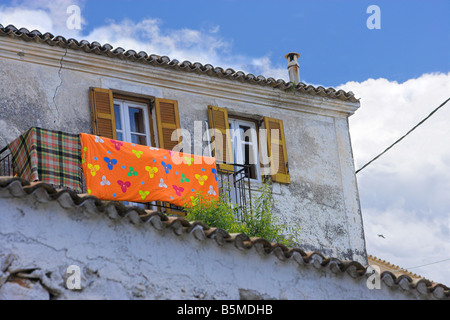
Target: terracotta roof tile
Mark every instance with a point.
(387, 266)
(164, 61)
(16, 187)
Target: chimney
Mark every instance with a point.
(293, 67)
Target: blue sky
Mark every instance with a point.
(331, 36)
(400, 72)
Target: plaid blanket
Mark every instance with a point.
(52, 157)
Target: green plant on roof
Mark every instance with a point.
(293, 88)
(217, 213)
(260, 221)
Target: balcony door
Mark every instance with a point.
(244, 141)
(132, 126)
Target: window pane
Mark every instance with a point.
(117, 116)
(138, 139)
(119, 136)
(136, 120)
(135, 204)
(245, 129)
(249, 150)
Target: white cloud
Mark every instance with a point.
(389, 109)
(30, 19)
(149, 35)
(409, 241)
(405, 193)
(204, 46)
(264, 66)
(215, 29)
(43, 15)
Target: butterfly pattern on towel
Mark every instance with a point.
(110, 162)
(124, 185)
(178, 190)
(121, 171)
(105, 182)
(162, 184)
(167, 167)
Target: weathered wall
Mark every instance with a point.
(48, 87)
(124, 258)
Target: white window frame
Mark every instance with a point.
(124, 105)
(238, 142)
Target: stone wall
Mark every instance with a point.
(123, 256)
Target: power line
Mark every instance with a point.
(428, 264)
(417, 125)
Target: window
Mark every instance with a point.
(135, 118)
(237, 143)
(244, 144)
(132, 122)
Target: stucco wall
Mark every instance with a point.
(48, 87)
(122, 258)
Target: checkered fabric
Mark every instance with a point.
(53, 157)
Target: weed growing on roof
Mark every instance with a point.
(265, 224)
(217, 213)
(293, 88)
(260, 221)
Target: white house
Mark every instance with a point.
(75, 87)
(80, 87)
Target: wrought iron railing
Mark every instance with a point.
(5, 162)
(234, 187)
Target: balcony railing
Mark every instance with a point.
(5, 162)
(234, 187)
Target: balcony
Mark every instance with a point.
(233, 185)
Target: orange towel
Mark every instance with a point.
(123, 171)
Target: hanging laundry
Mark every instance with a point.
(48, 156)
(122, 171)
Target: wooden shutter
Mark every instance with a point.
(102, 108)
(276, 147)
(168, 120)
(218, 119)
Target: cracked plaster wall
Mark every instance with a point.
(122, 260)
(322, 198)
